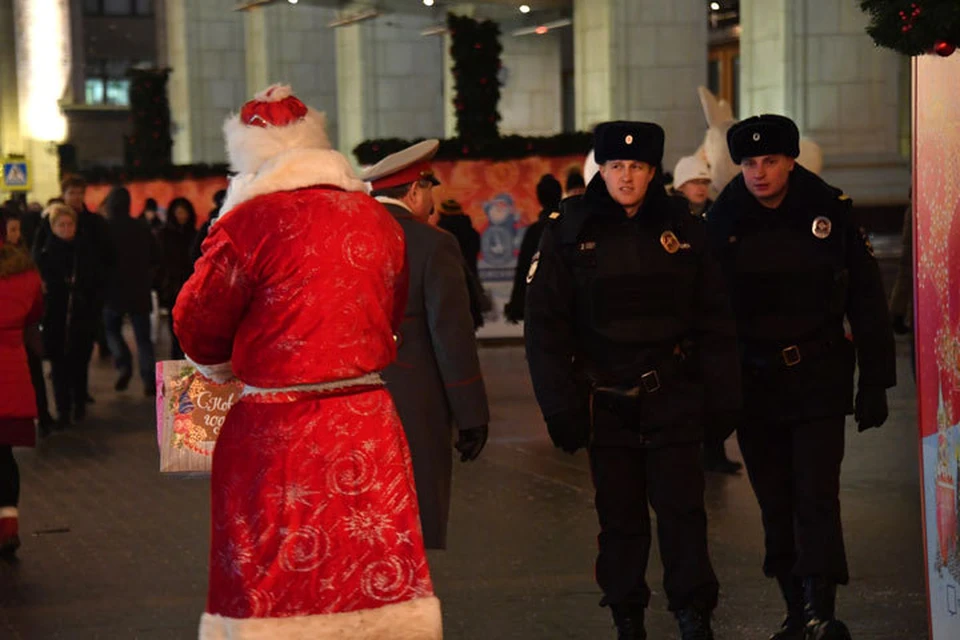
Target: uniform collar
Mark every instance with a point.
(394, 202)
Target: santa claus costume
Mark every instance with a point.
(315, 530)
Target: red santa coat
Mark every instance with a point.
(315, 530)
(21, 304)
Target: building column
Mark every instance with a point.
(642, 60)
(206, 54)
(389, 79)
(292, 44)
(42, 33)
(812, 60)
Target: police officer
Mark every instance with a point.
(631, 347)
(797, 264)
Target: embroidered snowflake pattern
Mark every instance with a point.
(293, 494)
(367, 526)
(234, 558)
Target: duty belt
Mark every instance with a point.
(790, 355)
(649, 382)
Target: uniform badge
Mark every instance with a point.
(532, 271)
(669, 241)
(628, 139)
(554, 215)
(822, 227)
(756, 136)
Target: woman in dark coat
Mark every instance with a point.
(69, 268)
(549, 193)
(176, 247)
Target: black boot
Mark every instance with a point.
(629, 621)
(821, 595)
(793, 626)
(694, 624)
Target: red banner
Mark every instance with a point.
(199, 191)
(501, 200)
(937, 294)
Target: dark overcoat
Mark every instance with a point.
(436, 381)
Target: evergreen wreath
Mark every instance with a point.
(914, 27)
(150, 144)
(475, 48)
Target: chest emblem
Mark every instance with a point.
(532, 271)
(670, 242)
(822, 227)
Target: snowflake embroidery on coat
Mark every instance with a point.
(294, 494)
(234, 558)
(367, 526)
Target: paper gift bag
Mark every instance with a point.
(190, 412)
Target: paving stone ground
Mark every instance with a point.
(112, 550)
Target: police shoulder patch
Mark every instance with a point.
(532, 271)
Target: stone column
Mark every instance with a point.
(389, 80)
(42, 31)
(206, 52)
(642, 60)
(812, 61)
(291, 44)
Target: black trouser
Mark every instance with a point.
(70, 379)
(795, 472)
(35, 362)
(9, 477)
(671, 479)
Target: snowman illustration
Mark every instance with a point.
(500, 241)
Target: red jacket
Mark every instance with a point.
(21, 304)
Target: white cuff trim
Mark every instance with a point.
(219, 373)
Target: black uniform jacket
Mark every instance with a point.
(795, 273)
(611, 299)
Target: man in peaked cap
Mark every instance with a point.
(798, 264)
(631, 347)
(436, 381)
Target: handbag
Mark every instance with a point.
(191, 409)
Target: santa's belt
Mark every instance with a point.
(297, 392)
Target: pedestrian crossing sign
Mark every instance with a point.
(15, 175)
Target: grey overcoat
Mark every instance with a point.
(436, 381)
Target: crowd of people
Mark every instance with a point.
(93, 270)
(654, 327)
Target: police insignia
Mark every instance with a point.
(532, 271)
(669, 242)
(554, 215)
(822, 227)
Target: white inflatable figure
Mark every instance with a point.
(714, 150)
(590, 168)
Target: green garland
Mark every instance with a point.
(475, 48)
(505, 148)
(914, 27)
(150, 145)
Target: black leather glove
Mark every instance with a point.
(471, 442)
(870, 409)
(900, 325)
(570, 430)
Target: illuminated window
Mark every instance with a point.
(107, 82)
